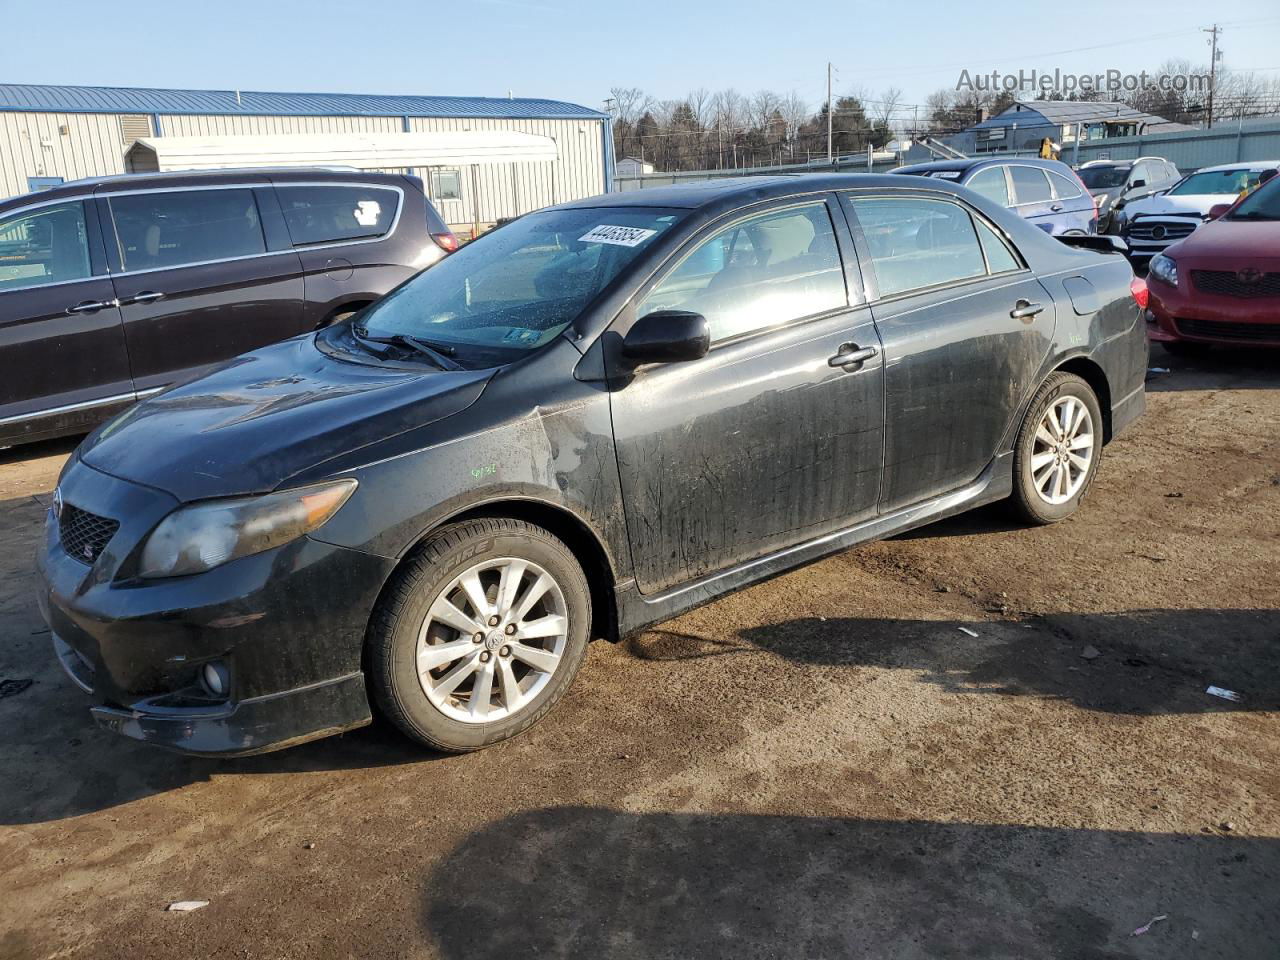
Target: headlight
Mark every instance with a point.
(1103, 201)
(1164, 269)
(202, 536)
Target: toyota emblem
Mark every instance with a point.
(57, 502)
(1249, 275)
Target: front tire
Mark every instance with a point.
(479, 635)
(1057, 450)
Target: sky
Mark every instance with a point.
(577, 49)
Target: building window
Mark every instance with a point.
(446, 185)
(38, 184)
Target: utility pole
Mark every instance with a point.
(829, 155)
(1213, 67)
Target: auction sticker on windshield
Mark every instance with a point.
(620, 236)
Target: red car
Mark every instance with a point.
(1221, 284)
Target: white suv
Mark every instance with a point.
(1156, 222)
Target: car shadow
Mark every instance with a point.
(1221, 368)
(61, 447)
(1140, 662)
(597, 883)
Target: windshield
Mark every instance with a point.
(516, 288)
(1224, 182)
(1102, 178)
(1263, 204)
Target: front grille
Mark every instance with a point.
(1222, 330)
(84, 535)
(1161, 231)
(1228, 283)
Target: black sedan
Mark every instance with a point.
(588, 421)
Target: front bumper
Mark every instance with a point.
(1195, 317)
(287, 626)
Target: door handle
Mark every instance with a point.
(1025, 310)
(146, 296)
(1056, 208)
(851, 355)
(93, 306)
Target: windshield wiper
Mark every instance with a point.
(439, 353)
(1251, 215)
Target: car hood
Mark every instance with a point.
(1186, 203)
(253, 423)
(1232, 245)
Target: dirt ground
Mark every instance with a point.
(825, 765)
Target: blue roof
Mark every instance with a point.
(59, 99)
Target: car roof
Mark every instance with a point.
(969, 163)
(143, 181)
(1255, 165)
(734, 190)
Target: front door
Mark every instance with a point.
(762, 443)
(966, 328)
(196, 281)
(62, 351)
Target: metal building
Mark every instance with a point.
(49, 134)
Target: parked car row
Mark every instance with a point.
(112, 289)
(1114, 184)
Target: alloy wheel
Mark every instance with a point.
(492, 639)
(1063, 450)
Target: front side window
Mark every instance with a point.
(446, 185)
(917, 242)
(519, 287)
(991, 184)
(1030, 184)
(758, 273)
(46, 245)
(172, 228)
(332, 213)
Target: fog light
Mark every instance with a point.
(215, 678)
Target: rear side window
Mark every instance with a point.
(758, 273)
(917, 242)
(1030, 184)
(42, 246)
(991, 184)
(1064, 188)
(334, 213)
(168, 229)
(1000, 258)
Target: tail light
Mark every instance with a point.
(446, 241)
(1138, 287)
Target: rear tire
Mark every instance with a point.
(1057, 451)
(479, 635)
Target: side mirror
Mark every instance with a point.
(667, 336)
(1136, 184)
(1218, 209)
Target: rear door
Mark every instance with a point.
(202, 275)
(1033, 197)
(1072, 203)
(61, 342)
(765, 442)
(965, 326)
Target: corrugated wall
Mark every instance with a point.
(31, 146)
(508, 190)
(34, 145)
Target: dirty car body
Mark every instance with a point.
(880, 387)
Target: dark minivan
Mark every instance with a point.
(589, 420)
(112, 289)
(1045, 192)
